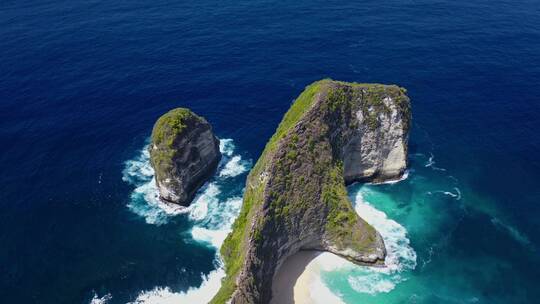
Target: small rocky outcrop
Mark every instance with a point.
(184, 153)
(335, 133)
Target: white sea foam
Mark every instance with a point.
(234, 164)
(321, 294)
(456, 195)
(214, 215)
(211, 212)
(145, 200)
(400, 257)
(216, 224)
(234, 167)
(201, 294)
(391, 182)
(431, 163)
(100, 300)
(226, 146)
(199, 207)
(138, 169)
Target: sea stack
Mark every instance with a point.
(334, 134)
(184, 153)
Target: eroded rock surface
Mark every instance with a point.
(184, 153)
(378, 153)
(295, 199)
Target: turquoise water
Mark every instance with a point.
(435, 215)
(428, 219)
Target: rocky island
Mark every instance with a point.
(334, 134)
(184, 153)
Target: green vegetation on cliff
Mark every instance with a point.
(234, 247)
(184, 153)
(170, 125)
(300, 177)
(295, 112)
(166, 129)
(342, 218)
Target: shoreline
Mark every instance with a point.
(291, 284)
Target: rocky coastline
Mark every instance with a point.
(335, 133)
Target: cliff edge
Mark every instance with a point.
(184, 153)
(295, 199)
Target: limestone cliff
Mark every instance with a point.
(184, 154)
(335, 133)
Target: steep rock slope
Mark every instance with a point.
(335, 133)
(184, 154)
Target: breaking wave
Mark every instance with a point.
(202, 294)
(401, 256)
(212, 212)
(394, 181)
(144, 200)
(100, 300)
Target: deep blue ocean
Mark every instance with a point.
(82, 82)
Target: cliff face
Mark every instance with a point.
(377, 149)
(335, 133)
(184, 154)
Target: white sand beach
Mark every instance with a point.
(298, 279)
